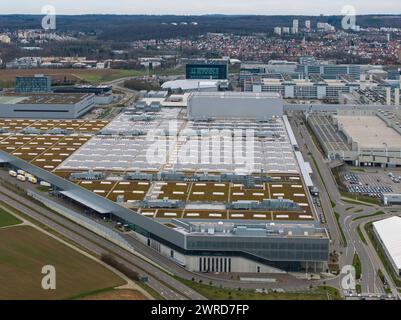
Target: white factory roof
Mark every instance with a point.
(191, 84)
(389, 231)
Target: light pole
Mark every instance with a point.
(386, 145)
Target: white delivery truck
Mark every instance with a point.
(33, 180)
(45, 184)
(20, 177)
(12, 173)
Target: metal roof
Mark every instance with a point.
(389, 231)
(82, 200)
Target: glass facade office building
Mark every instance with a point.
(36, 84)
(207, 71)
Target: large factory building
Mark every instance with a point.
(45, 105)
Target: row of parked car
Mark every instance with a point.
(317, 203)
(352, 178)
(369, 190)
(394, 178)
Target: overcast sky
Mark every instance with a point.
(268, 7)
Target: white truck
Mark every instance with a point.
(33, 180)
(12, 173)
(45, 184)
(22, 178)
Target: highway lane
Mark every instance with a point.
(97, 244)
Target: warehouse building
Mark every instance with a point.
(388, 232)
(257, 106)
(46, 105)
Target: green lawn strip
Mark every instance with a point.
(7, 84)
(7, 219)
(356, 263)
(215, 293)
(378, 213)
(369, 201)
(387, 289)
(42, 188)
(361, 236)
(381, 254)
(125, 73)
(116, 74)
(337, 215)
(352, 201)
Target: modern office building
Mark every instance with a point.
(329, 71)
(207, 70)
(315, 88)
(35, 84)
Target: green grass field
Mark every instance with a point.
(109, 75)
(214, 293)
(7, 219)
(356, 262)
(25, 250)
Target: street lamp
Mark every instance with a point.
(386, 145)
